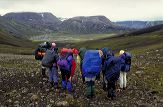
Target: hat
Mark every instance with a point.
(44, 43)
(121, 52)
(75, 51)
(53, 45)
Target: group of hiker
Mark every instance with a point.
(91, 63)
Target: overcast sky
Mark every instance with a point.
(115, 10)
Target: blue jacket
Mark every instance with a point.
(105, 55)
(126, 66)
(113, 67)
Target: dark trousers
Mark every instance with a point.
(65, 74)
(104, 81)
(111, 89)
(53, 74)
(66, 83)
(43, 71)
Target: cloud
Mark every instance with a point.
(113, 9)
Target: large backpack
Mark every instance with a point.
(82, 53)
(91, 64)
(127, 61)
(49, 58)
(105, 55)
(41, 49)
(67, 62)
(113, 68)
(69, 50)
(64, 63)
(127, 58)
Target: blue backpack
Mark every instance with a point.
(113, 68)
(105, 56)
(127, 59)
(91, 65)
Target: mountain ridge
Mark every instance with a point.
(41, 22)
(139, 24)
(28, 24)
(89, 24)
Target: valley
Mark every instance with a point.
(21, 83)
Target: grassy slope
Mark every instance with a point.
(70, 38)
(145, 81)
(10, 44)
(145, 78)
(141, 42)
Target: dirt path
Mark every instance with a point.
(22, 85)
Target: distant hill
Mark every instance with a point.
(7, 39)
(158, 30)
(30, 23)
(138, 24)
(15, 28)
(86, 25)
(143, 39)
(41, 21)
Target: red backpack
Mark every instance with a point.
(73, 51)
(69, 50)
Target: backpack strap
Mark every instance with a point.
(66, 57)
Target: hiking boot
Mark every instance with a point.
(112, 98)
(90, 92)
(98, 77)
(113, 93)
(64, 83)
(109, 94)
(104, 87)
(56, 85)
(43, 72)
(51, 84)
(124, 88)
(88, 96)
(69, 86)
(83, 79)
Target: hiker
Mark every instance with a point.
(112, 67)
(50, 61)
(39, 54)
(105, 56)
(98, 75)
(67, 67)
(91, 67)
(126, 68)
(80, 58)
